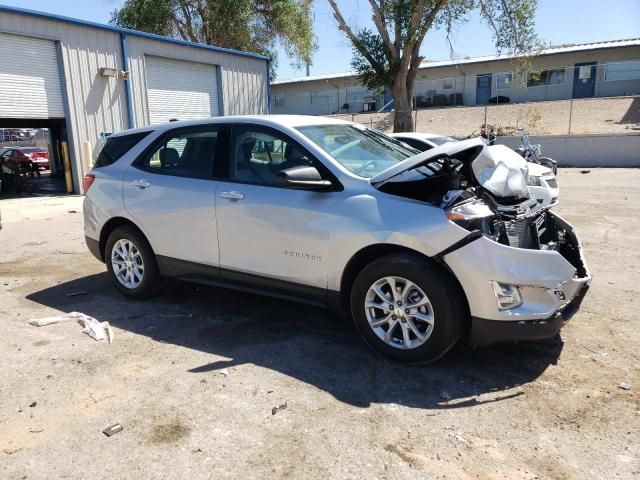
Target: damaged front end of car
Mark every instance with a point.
(521, 265)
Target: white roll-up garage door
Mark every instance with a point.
(180, 90)
(29, 78)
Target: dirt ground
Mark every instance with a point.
(194, 375)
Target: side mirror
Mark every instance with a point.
(303, 177)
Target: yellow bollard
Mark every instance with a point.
(88, 157)
(67, 167)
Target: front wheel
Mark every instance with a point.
(131, 263)
(407, 308)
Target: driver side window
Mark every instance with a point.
(257, 155)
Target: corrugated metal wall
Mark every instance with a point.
(98, 104)
(95, 104)
(244, 82)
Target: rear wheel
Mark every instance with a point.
(407, 308)
(131, 263)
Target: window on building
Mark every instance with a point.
(504, 80)
(555, 76)
(623, 71)
(277, 100)
(357, 93)
(448, 83)
(322, 97)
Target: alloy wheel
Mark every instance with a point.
(127, 263)
(399, 312)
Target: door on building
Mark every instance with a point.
(180, 90)
(584, 80)
(32, 109)
(483, 88)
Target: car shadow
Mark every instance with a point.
(307, 343)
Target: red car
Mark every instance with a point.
(29, 159)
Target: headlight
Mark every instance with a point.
(472, 215)
(534, 181)
(507, 295)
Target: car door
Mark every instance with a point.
(273, 237)
(170, 193)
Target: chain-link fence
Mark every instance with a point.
(20, 137)
(576, 99)
(560, 117)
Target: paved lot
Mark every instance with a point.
(194, 374)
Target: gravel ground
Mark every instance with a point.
(194, 375)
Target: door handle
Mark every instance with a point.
(140, 184)
(233, 195)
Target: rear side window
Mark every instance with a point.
(116, 147)
(183, 153)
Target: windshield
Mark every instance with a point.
(361, 150)
(441, 140)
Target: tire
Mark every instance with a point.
(141, 256)
(446, 306)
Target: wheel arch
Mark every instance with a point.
(370, 253)
(110, 226)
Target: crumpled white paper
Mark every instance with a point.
(502, 171)
(92, 327)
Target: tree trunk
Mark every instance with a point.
(403, 119)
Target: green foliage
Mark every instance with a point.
(378, 60)
(375, 81)
(250, 25)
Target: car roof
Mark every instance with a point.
(292, 121)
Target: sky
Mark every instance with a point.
(557, 22)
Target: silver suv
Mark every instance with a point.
(420, 249)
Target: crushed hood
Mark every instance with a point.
(501, 171)
(497, 168)
(446, 150)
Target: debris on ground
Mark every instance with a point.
(624, 386)
(113, 429)
(11, 451)
(72, 211)
(75, 294)
(36, 430)
(585, 171)
(92, 327)
(224, 372)
(275, 410)
(604, 354)
(51, 320)
(33, 404)
(96, 329)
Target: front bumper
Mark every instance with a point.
(551, 286)
(488, 332)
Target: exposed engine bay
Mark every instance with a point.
(485, 189)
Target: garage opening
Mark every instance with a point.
(31, 156)
(33, 134)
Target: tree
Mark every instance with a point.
(249, 25)
(389, 57)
